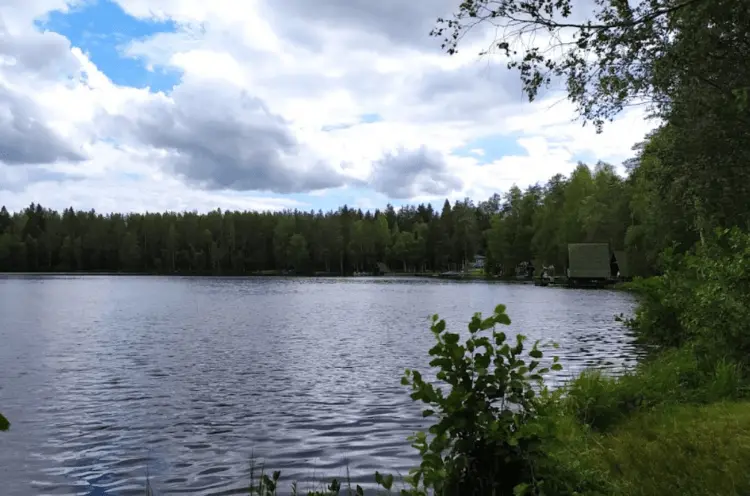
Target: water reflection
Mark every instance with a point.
(107, 378)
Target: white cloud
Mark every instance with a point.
(124, 180)
(271, 99)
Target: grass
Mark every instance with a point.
(271, 485)
(672, 426)
(686, 450)
(671, 378)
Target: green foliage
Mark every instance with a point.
(616, 53)
(701, 300)
(685, 60)
(230, 242)
(298, 253)
(4, 423)
(485, 439)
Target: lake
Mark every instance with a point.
(108, 378)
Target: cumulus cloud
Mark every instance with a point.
(412, 173)
(18, 14)
(219, 136)
(25, 138)
(26, 61)
(479, 93)
(392, 21)
(35, 55)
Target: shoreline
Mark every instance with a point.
(621, 286)
(259, 274)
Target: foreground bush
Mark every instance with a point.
(485, 439)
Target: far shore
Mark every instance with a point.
(275, 273)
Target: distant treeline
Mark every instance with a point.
(536, 224)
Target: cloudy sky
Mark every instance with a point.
(138, 105)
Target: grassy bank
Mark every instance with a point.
(672, 449)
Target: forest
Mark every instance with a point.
(533, 224)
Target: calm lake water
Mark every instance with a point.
(106, 379)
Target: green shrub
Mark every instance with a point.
(490, 433)
(4, 424)
(656, 320)
(701, 299)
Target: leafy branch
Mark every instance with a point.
(607, 62)
(485, 439)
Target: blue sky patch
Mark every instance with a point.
(494, 147)
(588, 158)
(370, 118)
(101, 29)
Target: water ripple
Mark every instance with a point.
(110, 379)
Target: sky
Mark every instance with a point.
(154, 105)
